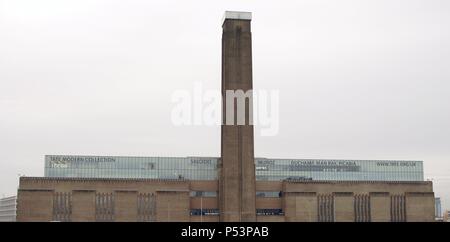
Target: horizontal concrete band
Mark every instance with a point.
(236, 15)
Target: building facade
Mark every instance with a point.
(162, 200)
(206, 168)
(285, 189)
(8, 209)
(438, 209)
(446, 216)
(235, 187)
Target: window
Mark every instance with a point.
(270, 211)
(204, 212)
(203, 194)
(269, 194)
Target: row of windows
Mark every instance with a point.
(104, 207)
(212, 174)
(215, 212)
(131, 173)
(7, 213)
(203, 194)
(167, 162)
(198, 168)
(268, 212)
(353, 176)
(333, 165)
(269, 194)
(204, 212)
(146, 163)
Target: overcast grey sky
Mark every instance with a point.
(357, 79)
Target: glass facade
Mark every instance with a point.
(205, 168)
(268, 194)
(8, 207)
(191, 168)
(363, 170)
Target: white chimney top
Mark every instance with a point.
(237, 15)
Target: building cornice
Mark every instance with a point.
(79, 179)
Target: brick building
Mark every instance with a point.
(96, 199)
(228, 188)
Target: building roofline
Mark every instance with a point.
(186, 180)
(354, 182)
(315, 159)
(133, 156)
(212, 157)
(24, 178)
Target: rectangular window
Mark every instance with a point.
(398, 208)
(147, 207)
(204, 212)
(104, 207)
(270, 211)
(269, 194)
(62, 206)
(203, 194)
(362, 208)
(325, 205)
